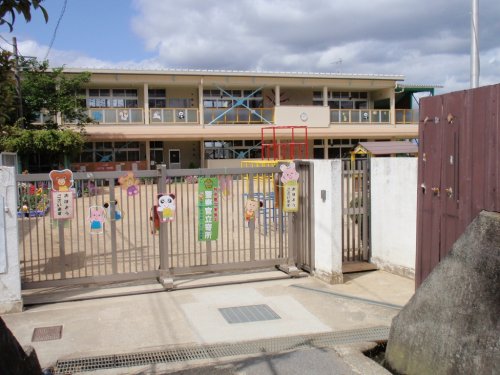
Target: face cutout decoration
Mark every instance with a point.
(166, 207)
(129, 183)
(251, 206)
(97, 216)
(61, 180)
(289, 173)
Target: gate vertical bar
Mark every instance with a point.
(112, 221)
(251, 223)
(62, 250)
(366, 211)
(164, 277)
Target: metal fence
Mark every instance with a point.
(132, 244)
(302, 233)
(356, 210)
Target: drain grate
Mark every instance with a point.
(246, 314)
(273, 345)
(47, 333)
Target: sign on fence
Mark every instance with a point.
(208, 209)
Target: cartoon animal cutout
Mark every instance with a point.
(61, 180)
(251, 206)
(97, 216)
(226, 185)
(166, 207)
(118, 213)
(129, 183)
(154, 219)
(289, 173)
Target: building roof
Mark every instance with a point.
(386, 148)
(418, 86)
(225, 73)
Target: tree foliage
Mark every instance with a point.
(7, 87)
(47, 91)
(9, 8)
(51, 91)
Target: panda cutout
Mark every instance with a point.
(166, 207)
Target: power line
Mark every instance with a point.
(55, 30)
(5, 40)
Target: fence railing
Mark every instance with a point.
(131, 241)
(117, 115)
(360, 116)
(407, 116)
(238, 116)
(173, 116)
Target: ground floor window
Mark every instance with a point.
(110, 151)
(232, 149)
(335, 148)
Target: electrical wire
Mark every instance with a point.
(55, 30)
(6, 41)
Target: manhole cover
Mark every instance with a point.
(47, 333)
(245, 314)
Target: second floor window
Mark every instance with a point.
(112, 98)
(343, 99)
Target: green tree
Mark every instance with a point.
(9, 8)
(7, 87)
(47, 91)
(51, 91)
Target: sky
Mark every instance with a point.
(427, 41)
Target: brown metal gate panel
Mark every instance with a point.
(459, 169)
(355, 211)
(132, 246)
(302, 231)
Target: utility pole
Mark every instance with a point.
(18, 80)
(474, 46)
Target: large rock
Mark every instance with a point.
(451, 325)
(14, 359)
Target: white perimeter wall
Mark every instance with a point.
(10, 278)
(394, 214)
(328, 220)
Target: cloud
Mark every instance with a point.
(77, 59)
(426, 43)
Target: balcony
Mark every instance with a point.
(238, 116)
(406, 116)
(173, 116)
(117, 115)
(360, 116)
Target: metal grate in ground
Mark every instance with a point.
(46, 333)
(273, 345)
(246, 314)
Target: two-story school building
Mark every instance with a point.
(202, 118)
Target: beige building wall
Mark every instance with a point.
(190, 153)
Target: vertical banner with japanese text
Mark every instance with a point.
(208, 208)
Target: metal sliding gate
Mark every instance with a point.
(355, 211)
(134, 245)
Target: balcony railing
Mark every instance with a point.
(238, 116)
(117, 115)
(360, 116)
(173, 116)
(406, 116)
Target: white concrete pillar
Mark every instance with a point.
(146, 104)
(277, 95)
(200, 103)
(328, 230)
(325, 96)
(10, 273)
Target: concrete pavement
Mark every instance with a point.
(141, 322)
